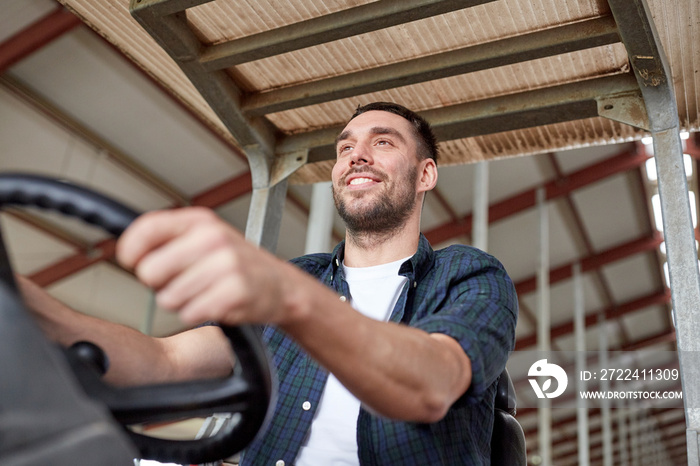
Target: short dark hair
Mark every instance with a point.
(427, 143)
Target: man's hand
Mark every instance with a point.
(205, 269)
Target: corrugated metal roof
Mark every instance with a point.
(222, 21)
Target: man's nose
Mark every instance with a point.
(361, 155)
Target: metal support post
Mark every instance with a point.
(622, 433)
(645, 438)
(634, 436)
(544, 412)
(165, 22)
(480, 236)
(652, 72)
(150, 314)
(580, 335)
(606, 423)
(265, 215)
(320, 226)
(683, 269)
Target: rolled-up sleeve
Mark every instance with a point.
(478, 308)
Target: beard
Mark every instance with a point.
(385, 214)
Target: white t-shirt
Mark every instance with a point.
(332, 440)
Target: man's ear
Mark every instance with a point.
(428, 175)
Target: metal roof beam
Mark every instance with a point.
(669, 336)
(173, 34)
(539, 107)
(45, 226)
(339, 25)
(225, 192)
(564, 39)
(555, 188)
(549, 105)
(36, 36)
(76, 128)
(257, 136)
(104, 251)
(615, 253)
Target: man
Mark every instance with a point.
(414, 339)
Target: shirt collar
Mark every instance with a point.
(414, 268)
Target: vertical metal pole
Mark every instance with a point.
(320, 226)
(480, 218)
(149, 315)
(648, 440)
(660, 454)
(605, 387)
(544, 411)
(580, 335)
(265, 215)
(634, 436)
(683, 269)
(622, 433)
(653, 74)
(643, 441)
(691, 439)
(270, 176)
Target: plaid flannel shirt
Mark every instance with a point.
(459, 291)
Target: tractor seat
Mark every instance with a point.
(508, 439)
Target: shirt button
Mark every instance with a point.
(306, 406)
(343, 298)
(279, 463)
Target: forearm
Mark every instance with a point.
(397, 371)
(134, 358)
(206, 270)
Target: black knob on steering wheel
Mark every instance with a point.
(248, 391)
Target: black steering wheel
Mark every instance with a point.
(248, 392)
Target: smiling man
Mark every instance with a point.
(387, 352)
(379, 180)
(367, 148)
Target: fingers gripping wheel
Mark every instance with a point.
(247, 393)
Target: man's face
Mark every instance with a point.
(374, 178)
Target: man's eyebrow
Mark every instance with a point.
(387, 130)
(342, 136)
(375, 130)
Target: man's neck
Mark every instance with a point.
(368, 249)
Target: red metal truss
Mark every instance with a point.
(613, 312)
(212, 198)
(36, 36)
(559, 187)
(643, 244)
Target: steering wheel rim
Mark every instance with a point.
(249, 391)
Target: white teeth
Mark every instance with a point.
(360, 181)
